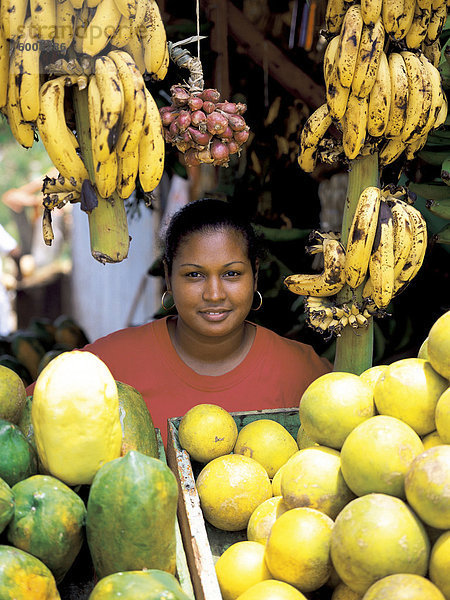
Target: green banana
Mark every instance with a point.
(443, 236)
(445, 172)
(434, 158)
(440, 208)
(430, 191)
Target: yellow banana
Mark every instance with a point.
(105, 174)
(127, 8)
(361, 236)
(26, 63)
(43, 18)
(78, 4)
(123, 33)
(327, 283)
(313, 131)
(23, 132)
(391, 12)
(419, 97)
(92, 3)
(381, 263)
(437, 21)
(354, 126)
(371, 11)
(81, 24)
(54, 133)
(413, 148)
(349, 39)
(60, 199)
(403, 233)
(380, 100)
(127, 172)
(4, 68)
(425, 4)
(141, 9)
(329, 58)
(391, 150)
(135, 104)
(12, 17)
(151, 147)
(55, 185)
(405, 21)
(47, 229)
(442, 114)
(419, 26)
(334, 15)
(135, 50)
(162, 71)
(153, 37)
(417, 251)
(437, 94)
(337, 95)
(65, 24)
(399, 97)
(111, 92)
(101, 27)
(369, 53)
(432, 52)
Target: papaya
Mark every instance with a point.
(138, 431)
(131, 515)
(18, 459)
(50, 355)
(28, 350)
(6, 504)
(69, 333)
(138, 585)
(23, 576)
(48, 522)
(25, 425)
(44, 330)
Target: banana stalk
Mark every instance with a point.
(108, 226)
(354, 347)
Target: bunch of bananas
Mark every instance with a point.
(383, 87)
(385, 250)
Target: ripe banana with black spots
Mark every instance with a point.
(54, 133)
(354, 125)
(419, 27)
(329, 58)
(111, 93)
(380, 100)
(403, 233)
(12, 17)
(127, 8)
(391, 13)
(123, 33)
(65, 24)
(337, 95)
(361, 236)
(313, 131)
(334, 15)
(371, 11)
(381, 263)
(43, 18)
(26, 64)
(4, 68)
(22, 131)
(437, 94)
(153, 37)
(432, 52)
(436, 24)
(136, 51)
(127, 172)
(55, 185)
(417, 251)
(419, 97)
(368, 59)
(101, 27)
(349, 40)
(60, 199)
(135, 103)
(391, 150)
(405, 21)
(327, 283)
(399, 96)
(160, 74)
(151, 147)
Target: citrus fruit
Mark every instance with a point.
(442, 416)
(276, 481)
(207, 431)
(374, 536)
(439, 569)
(12, 395)
(267, 442)
(298, 548)
(230, 487)
(371, 375)
(303, 439)
(239, 567)
(263, 517)
(409, 391)
(377, 454)
(439, 345)
(343, 592)
(427, 486)
(333, 405)
(402, 586)
(313, 478)
(423, 350)
(272, 590)
(431, 439)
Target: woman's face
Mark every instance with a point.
(212, 282)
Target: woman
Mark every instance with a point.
(209, 352)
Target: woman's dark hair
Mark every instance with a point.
(208, 214)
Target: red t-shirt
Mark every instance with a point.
(274, 374)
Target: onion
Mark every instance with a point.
(241, 108)
(183, 146)
(208, 107)
(198, 118)
(233, 147)
(219, 151)
(173, 129)
(210, 95)
(216, 123)
(236, 122)
(179, 95)
(204, 156)
(168, 115)
(199, 137)
(241, 136)
(227, 134)
(195, 103)
(228, 107)
(183, 120)
(168, 136)
(191, 158)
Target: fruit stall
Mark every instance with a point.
(343, 168)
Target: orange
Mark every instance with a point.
(333, 405)
(343, 592)
(12, 395)
(431, 439)
(374, 536)
(298, 548)
(272, 590)
(303, 439)
(230, 487)
(207, 431)
(239, 567)
(377, 454)
(276, 481)
(440, 564)
(402, 586)
(313, 478)
(427, 486)
(409, 391)
(439, 345)
(263, 517)
(267, 442)
(371, 375)
(423, 350)
(442, 416)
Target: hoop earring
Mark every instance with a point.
(163, 297)
(260, 301)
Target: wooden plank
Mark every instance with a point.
(217, 13)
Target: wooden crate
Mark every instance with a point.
(204, 543)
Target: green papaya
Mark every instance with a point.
(25, 577)
(138, 585)
(18, 459)
(138, 431)
(6, 504)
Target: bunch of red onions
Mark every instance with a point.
(204, 129)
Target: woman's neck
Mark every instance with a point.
(211, 356)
